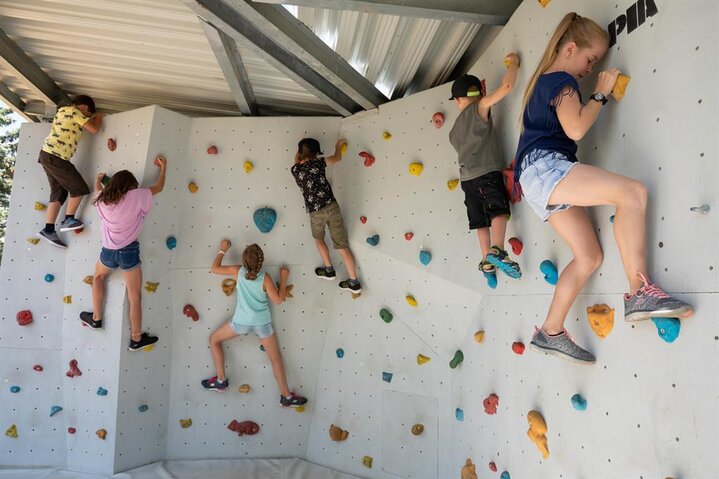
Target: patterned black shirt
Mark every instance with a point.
(310, 177)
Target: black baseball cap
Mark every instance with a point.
(310, 144)
(462, 85)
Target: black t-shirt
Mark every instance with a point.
(310, 177)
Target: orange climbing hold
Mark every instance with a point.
(338, 434)
(537, 432)
(479, 336)
(544, 3)
(469, 470)
(245, 388)
(620, 87)
(193, 187)
(601, 319)
(228, 286)
(88, 279)
(101, 433)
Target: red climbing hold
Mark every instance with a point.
(517, 246)
(78, 231)
(74, 370)
(244, 427)
(71, 430)
(368, 159)
(492, 467)
(438, 119)
(111, 144)
(37, 368)
(515, 193)
(518, 347)
(408, 236)
(363, 219)
(490, 404)
(24, 317)
(190, 311)
(212, 150)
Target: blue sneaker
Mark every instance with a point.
(70, 224)
(214, 384)
(501, 260)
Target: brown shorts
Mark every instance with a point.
(63, 177)
(331, 216)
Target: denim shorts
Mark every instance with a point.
(126, 258)
(262, 332)
(543, 171)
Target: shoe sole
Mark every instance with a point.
(216, 389)
(554, 352)
(682, 313)
(65, 229)
(326, 278)
(90, 327)
(505, 268)
(53, 243)
(293, 406)
(144, 348)
(358, 291)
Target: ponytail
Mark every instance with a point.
(252, 259)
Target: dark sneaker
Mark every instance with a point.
(145, 341)
(88, 321)
(52, 238)
(214, 384)
(562, 346)
(351, 286)
(293, 401)
(323, 273)
(651, 302)
(499, 258)
(71, 224)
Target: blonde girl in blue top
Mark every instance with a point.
(255, 289)
(558, 188)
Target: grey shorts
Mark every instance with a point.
(262, 332)
(543, 171)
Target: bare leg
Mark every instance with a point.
(349, 260)
(324, 252)
(484, 241)
(272, 348)
(499, 230)
(72, 204)
(575, 228)
(53, 208)
(98, 290)
(133, 282)
(223, 333)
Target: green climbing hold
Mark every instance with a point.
(385, 315)
(457, 359)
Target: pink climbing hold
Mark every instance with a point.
(518, 347)
(363, 219)
(517, 245)
(490, 404)
(37, 368)
(24, 317)
(74, 370)
(368, 159)
(408, 236)
(438, 119)
(492, 467)
(212, 150)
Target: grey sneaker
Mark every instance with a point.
(70, 224)
(651, 302)
(324, 273)
(353, 286)
(52, 238)
(562, 346)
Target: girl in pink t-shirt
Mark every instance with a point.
(122, 206)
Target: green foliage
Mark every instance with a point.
(8, 149)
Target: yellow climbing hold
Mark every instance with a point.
(421, 359)
(151, 287)
(11, 431)
(544, 3)
(245, 388)
(101, 433)
(185, 423)
(411, 301)
(452, 184)
(469, 470)
(300, 409)
(620, 87)
(601, 319)
(288, 289)
(88, 279)
(415, 169)
(228, 286)
(343, 149)
(33, 240)
(386, 135)
(248, 166)
(537, 432)
(479, 336)
(39, 206)
(367, 461)
(193, 187)
(67, 299)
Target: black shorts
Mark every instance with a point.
(485, 198)
(63, 177)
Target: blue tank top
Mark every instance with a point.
(542, 129)
(253, 307)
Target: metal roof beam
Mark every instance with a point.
(242, 30)
(14, 102)
(488, 12)
(30, 71)
(228, 56)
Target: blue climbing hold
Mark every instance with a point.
(611, 219)
(579, 403)
(550, 271)
(505, 475)
(54, 410)
(171, 242)
(373, 240)
(262, 348)
(386, 377)
(143, 408)
(491, 279)
(459, 414)
(14, 389)
(667, 328)
(425, 257)
(265, 219)
(101, 391)
(49, 278)
(340, 353)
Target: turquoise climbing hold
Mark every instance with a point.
(143, 408)
(667, 328)
(491, 279)
(425, 257)
(265, 219)
(340, 353)
(171, 242)
(14, 389)
(373, 240)
(54, 410)
(505, 475)
(551, 275)
(579, 403)
(101, 391)
(459, 414)
(386, 377)
(611, 219)
(49, 278)
(262, 348)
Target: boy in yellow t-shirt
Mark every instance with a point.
(55, 156)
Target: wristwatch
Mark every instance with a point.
(599, 97)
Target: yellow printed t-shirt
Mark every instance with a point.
(65, 132)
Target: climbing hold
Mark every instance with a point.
(193, 187)
(299, 409)
(340, 353)
(385, 315)
(543, 3)
(248, 166)
(338, 434)
(415, 168)
(408, 236)
(262, 348)
(518, 347)
(11, 431)
(265, 219)
(368, 159)
(245, 427)
(438, 119)
(143, 408)
(185, 423)
(411, 301)
(105, 180)
(111, 144)
(601, 319)
(71, 430)
(88, 279)
(54, 410)
(386, 135)
(101, 391)
(40, 206)
(479, 336)
(228, 286)
(469, 470)
(24, 317)
(67, 299)
(245, 388)
(14, 389)
(386, 377)
(667, 328)
(101, 433)
(37, 368)
(536, 432)
(74, 370)
(363, 219)
(343, 149)
(491, 279)
(33, 240)
(367, 461)
(190, 311)
(611, 219)
(288, 290)
(516, 245)
(492, 467)
(49, 278)
(452, 184)
(417, 429)
(579, 403)
(151, 287)
(550, 271)
(459, 414)
(212, 150)
(490, 404)
(373, 240)
(171, 242)
(78, 231)
(620, 87)
(505, 474)
(425, 257)
(422, 359)
(457, 359)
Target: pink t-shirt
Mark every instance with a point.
(122, 222)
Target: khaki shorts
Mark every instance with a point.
(331, 216)
(63, 177)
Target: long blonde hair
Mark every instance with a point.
(573, 28)
(252, 259)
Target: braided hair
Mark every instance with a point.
(252, 258)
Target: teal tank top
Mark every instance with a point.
(253, 307)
